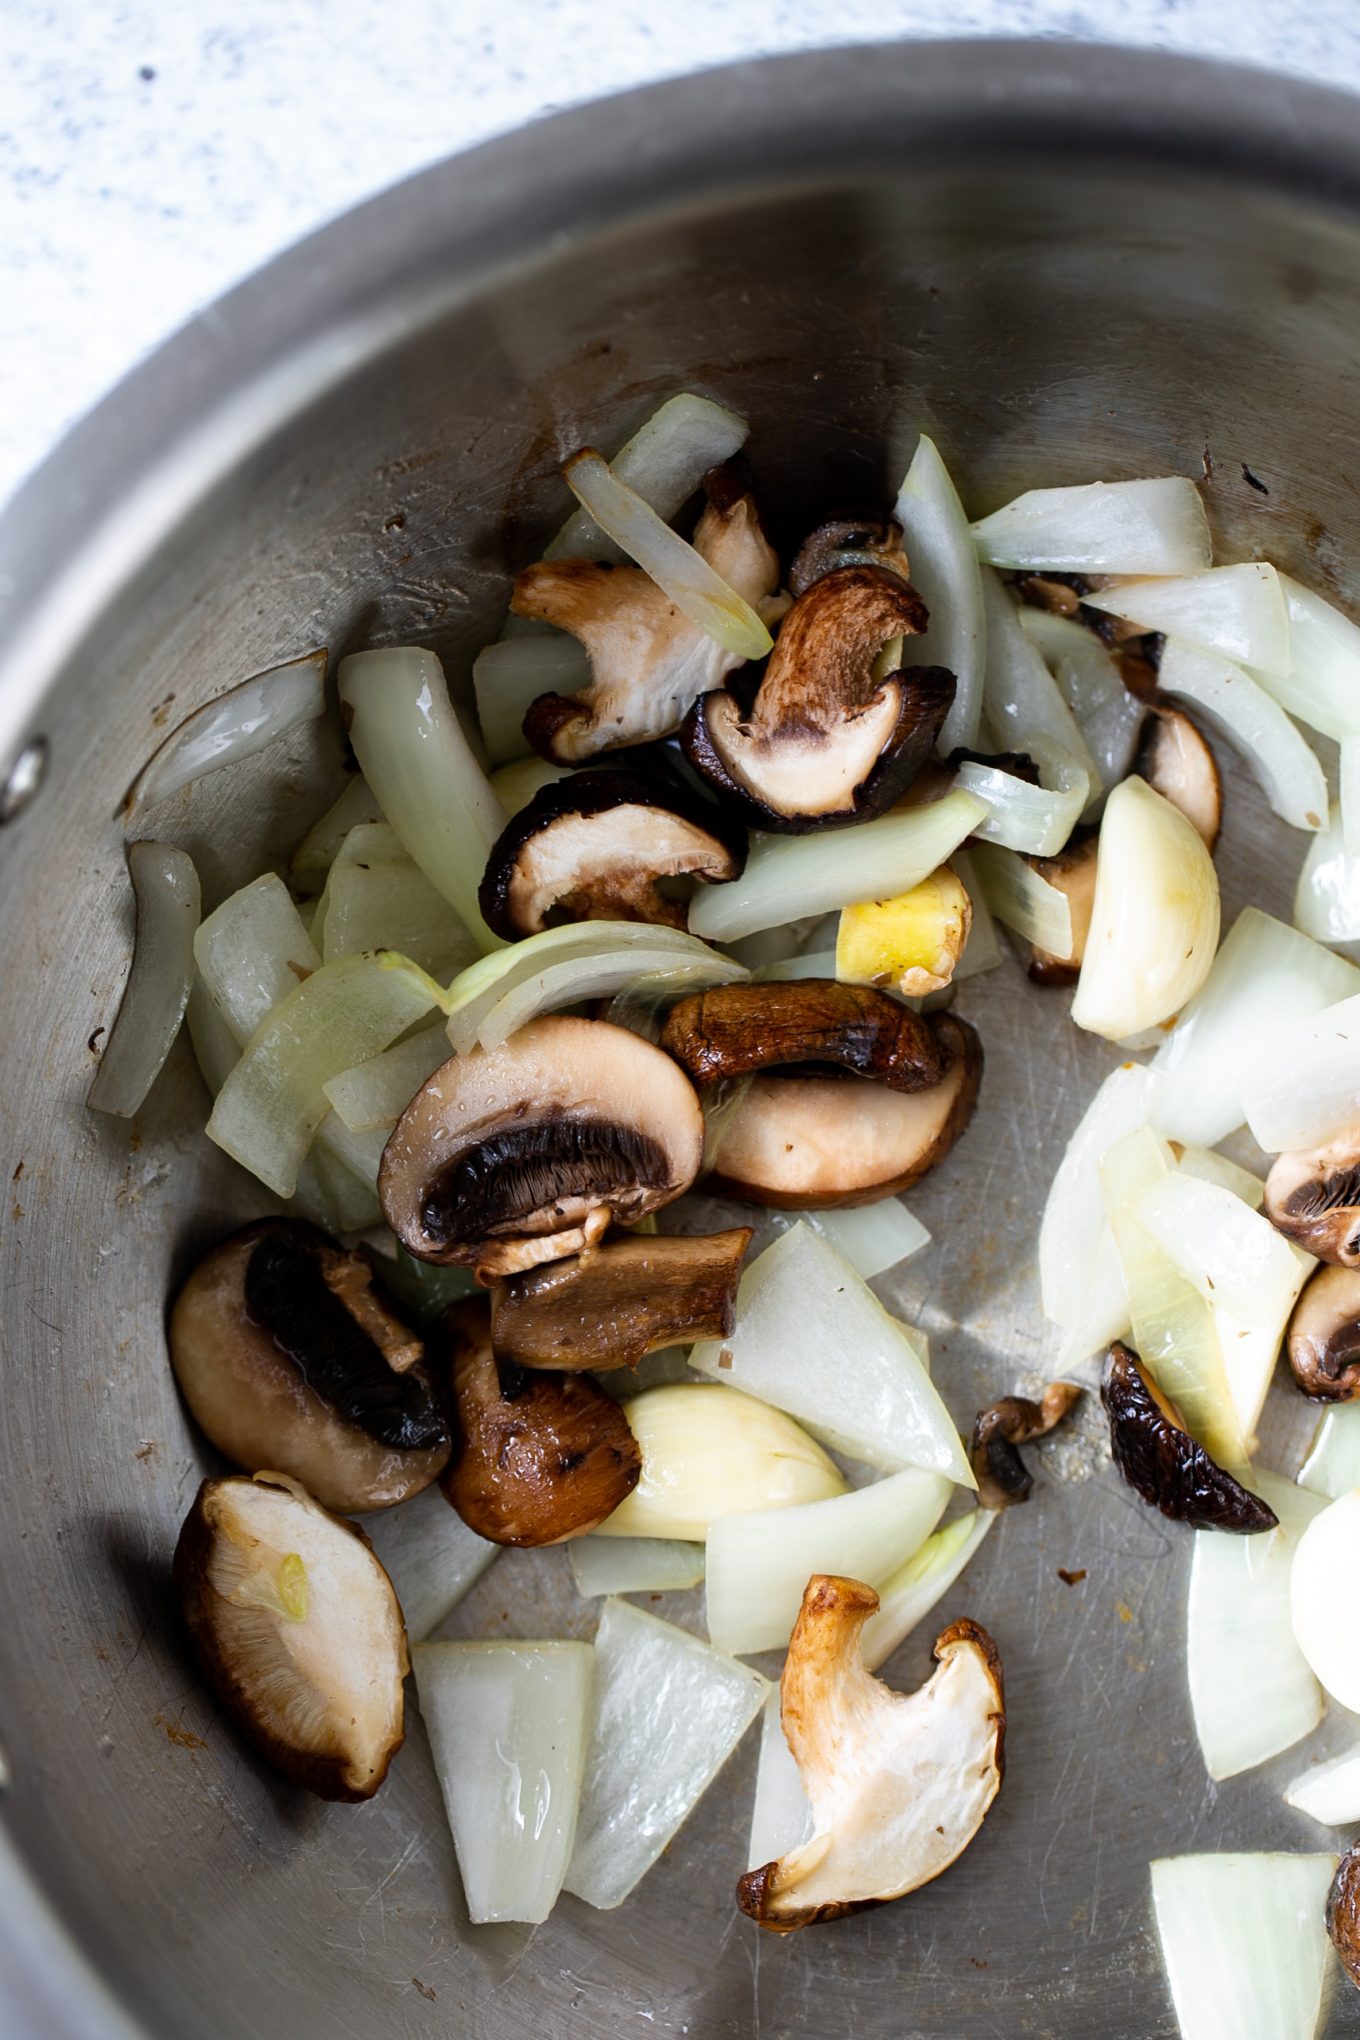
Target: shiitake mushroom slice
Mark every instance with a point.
(1162, 1462)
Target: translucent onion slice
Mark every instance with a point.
(1077, 1256)
(759, 1564)
(696, 590)
(1251, 1692)
(430, 1556)
(1332, 1467)
(1348, 780)
(320, 847)
(1108, 716)
(1023, 900)
(393, 906)
(1038, 819)
(165, 889)
(1249, 1357)
(907, 1596)
(377, 1092)
(1306, 1086)
(216, 1048)
(1329, 1792)
(1208, 1166)
(814, 1340)
(1145, 527)
(1233, 1256)
(1238, 612)
(594, 949)
(252, 952)
(816, 963)
(788, 876)
(982, 950)
(509, 677)
(1282, 763)
(330, 1194)
(509, 1726)
(1021, 699)
(1322, 1594)
(1321, 685)
(1154, 920)
(871, 1237)
(1265, 976)
(515, 785)
(634, 1565)
(271, 1105)
(233, 725)
(944, 571)
(416, 758)
(1173, 1327)
(669, 1711)
(1244, 1944)
(781, 1817)
(664, 462)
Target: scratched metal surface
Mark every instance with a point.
(1055, 295)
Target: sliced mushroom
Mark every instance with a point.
(1174, 758)
(824, 742)
(848, 542)
(297, 1631)
(507, 1157)
(899, 1782)
(1343, 1913)
(801, 1142)
(620, 1301)
(1161, 1461)
(1314, 1199)
(649, 662)
(539, 1457)
(1323, 1337)
(1073, 873)
(290, 1354)
(596, 846)
(735, 1030)
(1002, 1475)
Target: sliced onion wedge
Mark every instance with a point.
(1322, 1596)
(1321, 684)
(908, 1595)
(1108, 716)
(789, 876)
(1329, 1792)
(634, 1565)
(1036, 819)
(669, 1711)
(234, 725)
(1080, 1281)
(1238, 612)
(1332, 1467)
(982, 949)
(1251, 1692)
(1154, 920)
(165, 888)
(430, 1556)
(1022, 701)
(252, 952)
(664, 462)
(509, 1725)
(1206, 1165)
(320, 847)
(376, 1093)
(1233, 1256)
(944, 571)
(1145, 527)
(1244, 1943)
(781, 1818)
(696, 590)
(1306, 1086)
(1023, 900)
(813, 1339)
(509, 677)
(383, 902)
(871, 1237)
(1280, 758)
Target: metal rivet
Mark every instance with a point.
(24, 778)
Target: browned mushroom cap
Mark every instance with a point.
(1002, 1475)
(1314, 1199)
(800, 1142)
(848, 542)
(1163, 1463)
(1323, 1338)
(1175, 760)
(539, 1457)
(1073, 872)
(649, 662)
(507, 1157)
(290, 1354)
(297, 1631)
(596, 846)
(1343, 1913)
(824, 742)
(622, 1300)
(734, 1030)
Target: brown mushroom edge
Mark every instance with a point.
(1322, 1338)
(1174, 758)
(1313, 1198)
(1342, 1916)
(1003, 1478)
(623, 1299)
(737, 1030)
(1160, 1460)
(848, 542)
(1073, 873)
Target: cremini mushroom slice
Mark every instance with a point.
(848, 542)
(736, 1030)
(507, 1157)
(899, 1782)
(802, 1142)
(1323, 1336)
(1313, 1198)
(297, 1631)
(824, 742)
(619, 1301)
(1002, 1476)
(598, 846)
(1174, 758)
(649, 663)
(538, 1457)
(290, 1354)
(1343, 1913)
(1073, 873)
(1162, 1462)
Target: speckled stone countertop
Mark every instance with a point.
(150, 157)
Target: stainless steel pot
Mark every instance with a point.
(1063, 262)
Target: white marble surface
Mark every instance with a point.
(150, 156)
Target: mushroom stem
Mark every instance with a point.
(1002, 1475)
